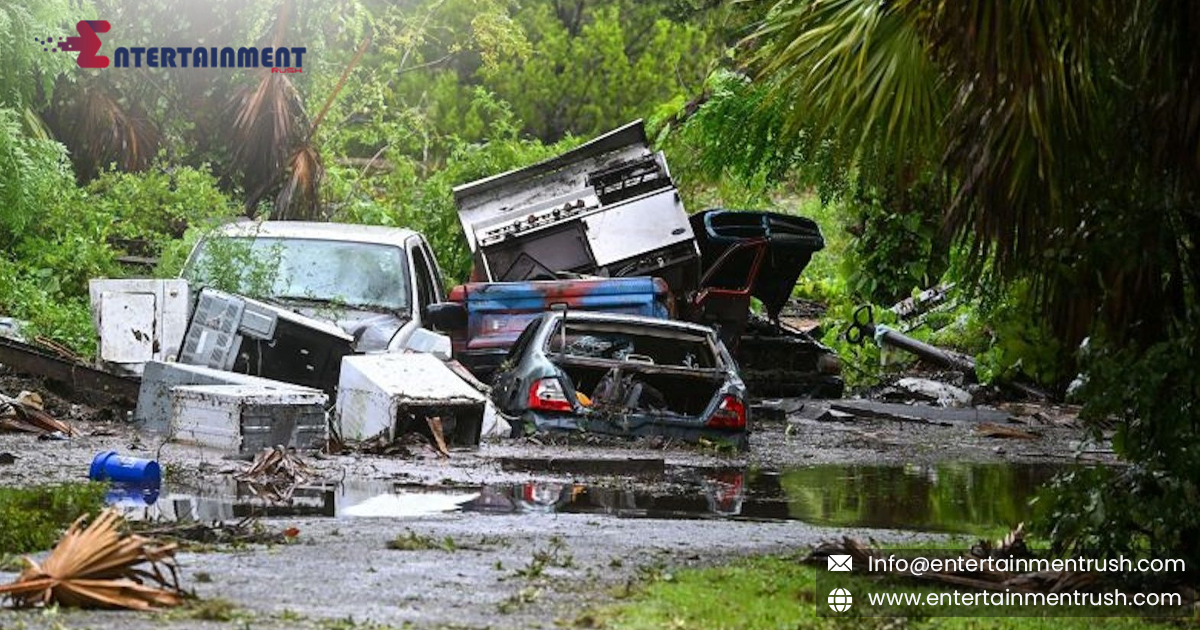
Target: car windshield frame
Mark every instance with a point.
(327, 268)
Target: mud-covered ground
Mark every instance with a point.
(508, 569)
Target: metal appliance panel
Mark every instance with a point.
(637, 226)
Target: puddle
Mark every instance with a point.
(941, 498)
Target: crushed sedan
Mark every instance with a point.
(622, 375)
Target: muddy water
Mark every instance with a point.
(936, 498)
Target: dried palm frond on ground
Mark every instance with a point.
(25, 414)
(100, 566)
(277, 464)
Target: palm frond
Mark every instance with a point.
(299, 199)
(100, 566)
(854, 70)
(300, 196)
(268, 121)
(103, 129)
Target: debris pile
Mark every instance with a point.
(244, 532)
(26, 414)
(100, 566)
(276, 466)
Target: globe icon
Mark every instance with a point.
(839, 600)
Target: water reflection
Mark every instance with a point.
(945, 497)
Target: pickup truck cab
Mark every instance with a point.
(375, 283)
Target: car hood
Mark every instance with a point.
(372, 330)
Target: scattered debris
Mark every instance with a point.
(1052, 415)
(439, 439)
(248, 531)
(26, 414)
(863, 327)
(155, 401)
(139, 320)
(135, 471)
(776, 409)
(610, 208)
(57, 348)
(926, 414)
(82, 382)
(238, 334)
(585, 466)
(992, 430)
(922, 302)
(277, 468)
(833, 415)
(944, 394)
(100, 567)
(11, 328)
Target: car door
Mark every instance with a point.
(426, 290)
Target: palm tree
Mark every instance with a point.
(1069, 128)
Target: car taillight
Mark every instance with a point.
(730, 414)
(547, 395)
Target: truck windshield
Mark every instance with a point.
(363, 275)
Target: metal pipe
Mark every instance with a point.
(945, 358)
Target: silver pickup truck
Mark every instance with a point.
(374, 283)
(364, 288)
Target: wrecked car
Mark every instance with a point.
(622, 375)
(495, 313)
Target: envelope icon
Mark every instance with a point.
(840, 562)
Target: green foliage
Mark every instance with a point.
(410, 197)
(590, 70)
(31, 519)
(1020, 345)
(897, 249)
(412, 541)
(33, 172)
(28, 73)
(1147, 508)
(58, 236)
(1068, 153)
(234, 265)
(706, 145)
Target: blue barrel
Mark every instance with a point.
(109, 466)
